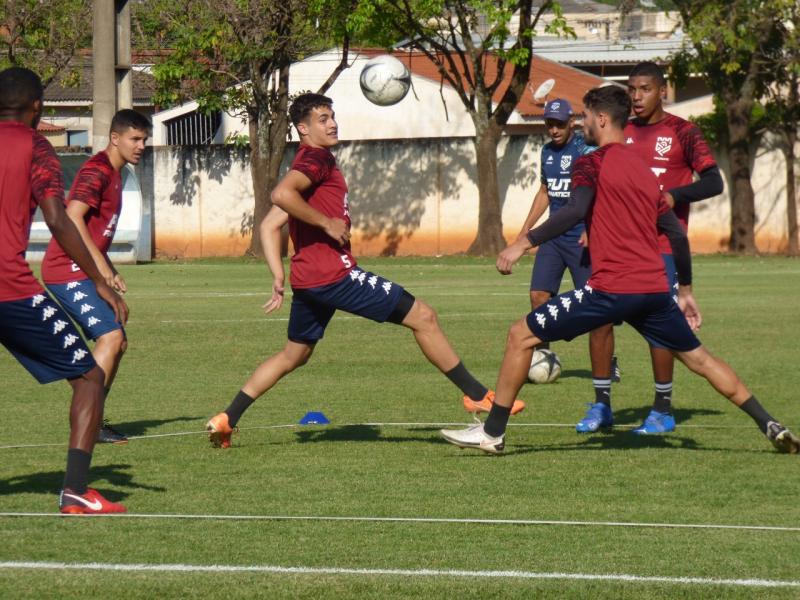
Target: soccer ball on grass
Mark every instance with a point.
(545, 367)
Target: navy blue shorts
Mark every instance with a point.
(672, 274)
(655, 316)
(555, 257)
(82, 302)
(359, 292)
(43, 339)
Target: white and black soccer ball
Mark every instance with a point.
(385, 80)
(545, 367)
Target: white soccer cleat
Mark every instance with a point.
(475, 437)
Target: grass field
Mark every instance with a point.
(197, 331)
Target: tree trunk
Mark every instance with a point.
(743, 212)
(489, 240)
(269, 128)
(791, 193)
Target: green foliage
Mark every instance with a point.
(44, 35)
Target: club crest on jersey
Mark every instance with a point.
(663, 145)
(566, 161)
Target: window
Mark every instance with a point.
(78, 138)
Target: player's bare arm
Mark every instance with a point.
(288, 196)
(270, 230)
(67, 235)
(541, 201)
(77, 211)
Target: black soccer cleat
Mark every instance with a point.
(783, 439)
(616, 373)
(108, 435)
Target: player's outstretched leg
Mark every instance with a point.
(107, 352)
(85, 415)
(726, 382)
(490, 436)
(601, 350)
(422, 320)
(221, 426)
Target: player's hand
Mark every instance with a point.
(508, 257)
(276, 300)
(337, 229)
(114, 300)
(119, 284)
(689, 307)
(584, 239)
(667, 197)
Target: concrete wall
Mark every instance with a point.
(406, 197)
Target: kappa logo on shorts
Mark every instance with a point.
(86, 307)
(70, 339)
(93, 321)
(48, 312)
(73, 284)
(58, 326)
(354, 274)
(387, 285)
(79, 296)
(566, 303)
(372, 281)
(79, 354)
(553, 310)
(541, 319)
(37, 300)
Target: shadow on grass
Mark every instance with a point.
(362, 433)
(50, 482)
(635, 416)
(577, 373)
(134, 428)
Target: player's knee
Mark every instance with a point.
(520, 337)
(538, 298)
(114, 342)
(426, 316)
(296, 355)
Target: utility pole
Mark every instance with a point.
(111, 65)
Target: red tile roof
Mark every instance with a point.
(570, 83)
(49, 127)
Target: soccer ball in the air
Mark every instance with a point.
(385, 80)
(545, 367)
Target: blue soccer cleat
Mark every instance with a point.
(656, 423)
(597, 417)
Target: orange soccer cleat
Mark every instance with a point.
(219, 431)
(90, 503)
(485, 405)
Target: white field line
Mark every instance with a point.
(428, 520)
(409, 425)
(272, 569)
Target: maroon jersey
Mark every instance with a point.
(29, 173)
(99, 185)
(622, 221)
(318, 259)
(674, 149)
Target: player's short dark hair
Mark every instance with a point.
(303, 105)
(610, 99)
(129, 119)
(19, 88)
(649, 69)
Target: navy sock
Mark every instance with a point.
(464, 380)
(240, 403)
(602, 391)
(497, 420)
(77, 476)
(753, 408)
(663, 398)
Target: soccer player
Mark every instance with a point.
(619, 198)
(32, 326)
(94, 205)
(674, 149)
(325, 278)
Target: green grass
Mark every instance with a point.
(197, 331)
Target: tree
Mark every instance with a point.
(43, 35)
(234, 56)
(733, 43)
(782, 112)
(476, 51)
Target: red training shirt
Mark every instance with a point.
(621, 223)
(29, 173)
(318, 259)
(99, 185)
(674, 149)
